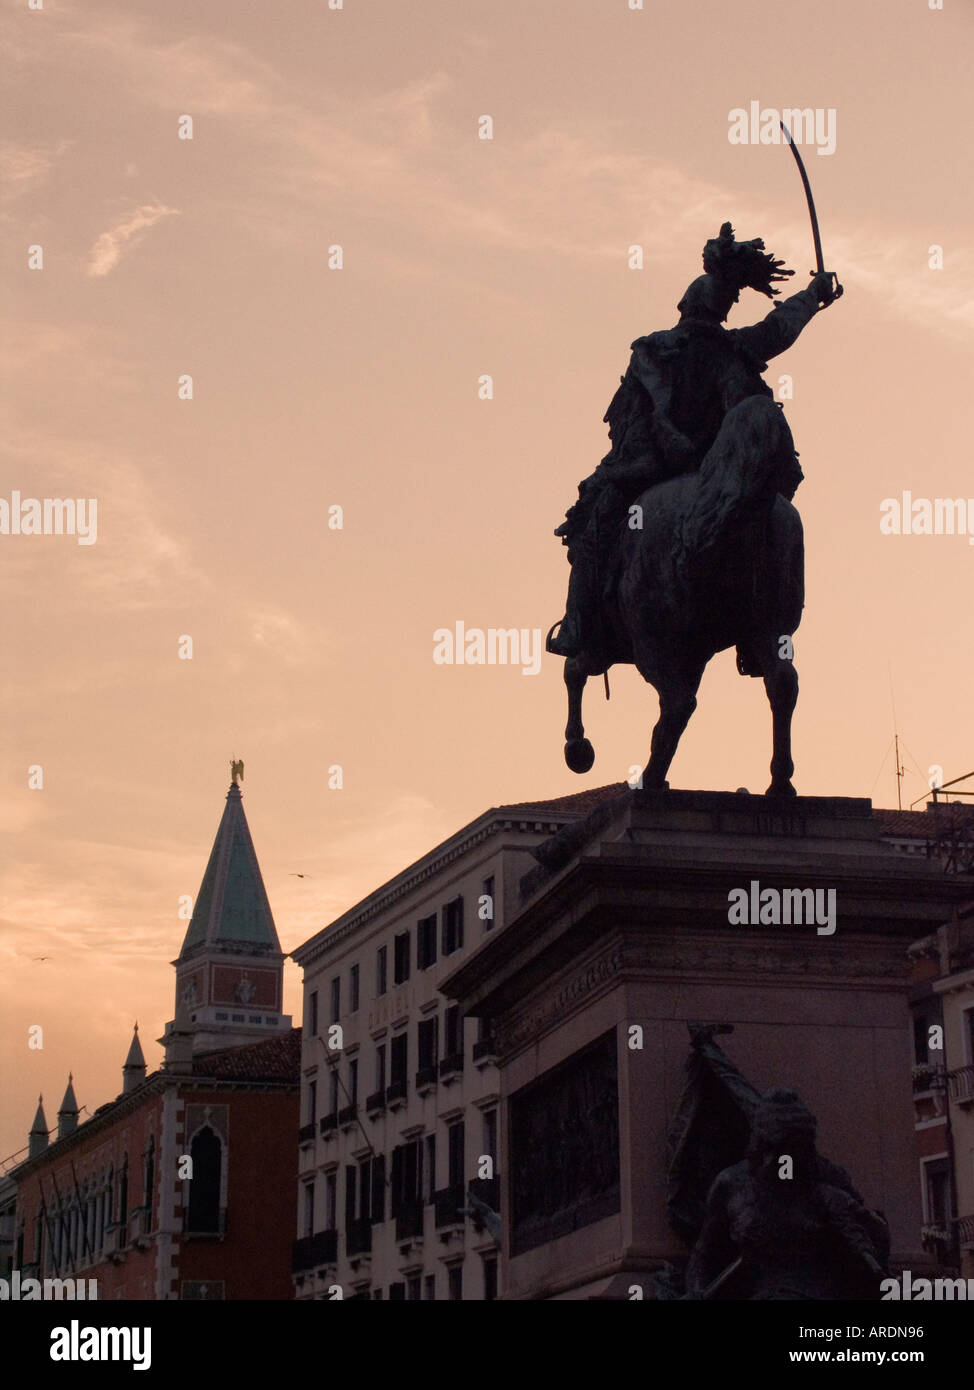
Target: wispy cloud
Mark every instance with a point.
(110, 246)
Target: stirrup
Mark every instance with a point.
(559, 645)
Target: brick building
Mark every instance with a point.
(183, 1185)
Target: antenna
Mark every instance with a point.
(900, 770)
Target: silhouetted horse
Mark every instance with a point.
(719, 562)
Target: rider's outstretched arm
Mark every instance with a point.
(776, 333)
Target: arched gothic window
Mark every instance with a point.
(206, 1152)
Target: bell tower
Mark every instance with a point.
(230, 971)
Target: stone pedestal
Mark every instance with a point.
(624, 934)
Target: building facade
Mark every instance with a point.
(942, 1005)
(182, 1186)
(399, 1138)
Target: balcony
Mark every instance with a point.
(375, 1103)
(485, 1050)
(347, 1115)
(306, 1134)
(324, 1247)
(358, 1237)
(426, 1078)
(409, 1220)
(929, 1076)
(451, 1065)
(965, 1231)
(448, 1202)
(962, 1085)
(328, 1124)
(396, 1093)
(301, 1255)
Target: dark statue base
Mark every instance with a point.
(643, 919)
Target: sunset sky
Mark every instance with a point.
(357, 387)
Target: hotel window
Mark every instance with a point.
(455, 1148)
(351, 1172)
(427, 1044)
(490, 1278)
(455, 1282)
(453, 926)
(353, 990)
(414, 1287)
(312, 1101)
(937, 1194)
(398, 1059)
(313, 1013)
(426, 942)
(453, 1032)
(429, 1287)
(401, 959)
(333, 1106)
(378, 1188)
(331, 1201)
(353, 1081)
(380, 1067)
(336, 998)
(309, 1208)
(489, 908)
(380, 971)
(430, 1171)
(397, 1292)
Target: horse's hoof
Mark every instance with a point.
(782, 789)
(579, 754)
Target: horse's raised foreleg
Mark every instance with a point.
(781, 683)
(579, 753)
(677, 701)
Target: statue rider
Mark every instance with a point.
(785, 1223)
(680, 387)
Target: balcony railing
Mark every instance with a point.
(488, 1190)
(306, 1133)
(426, 1076)
(324, 1247)
(347, 1114)
(409, 1220)
(451, 1064)
(448, 1202)
(375, 1102)
(484, 1050)
(962, 1085)
(311, 1251)
(358, 1236)
(328, 1123)
(929, 1076)
(396, 1092)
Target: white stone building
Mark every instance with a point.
(398, 1179)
